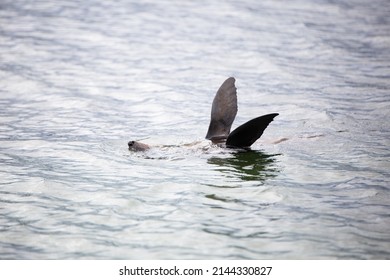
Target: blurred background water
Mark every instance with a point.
(79, 79)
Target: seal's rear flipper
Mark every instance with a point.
(223, 111)
(247, 134)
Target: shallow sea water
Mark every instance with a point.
(79, 79)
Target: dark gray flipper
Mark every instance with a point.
(223, 111)
(247, 134)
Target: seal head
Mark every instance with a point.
(138, 146)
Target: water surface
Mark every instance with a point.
(79, 79)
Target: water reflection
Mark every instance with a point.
(247, 165)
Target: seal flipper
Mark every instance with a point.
(247, 134)
(223, 111)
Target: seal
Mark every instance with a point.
(223, 112)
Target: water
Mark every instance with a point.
(79, 79)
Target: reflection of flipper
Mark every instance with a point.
(245, 135)
(223, 111)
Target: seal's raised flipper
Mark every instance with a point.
(245, 135)
(223, 111)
